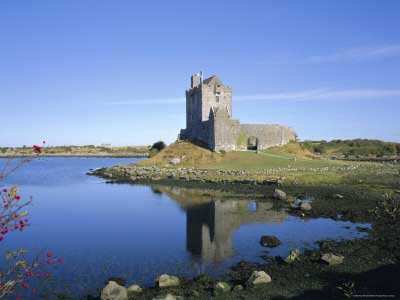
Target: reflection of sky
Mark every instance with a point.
(293, 233)
(104, 230)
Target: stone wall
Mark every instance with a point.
(268, 135)
(225, 133)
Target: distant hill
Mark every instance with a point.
(87, 150)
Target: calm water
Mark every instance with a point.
(138, 232)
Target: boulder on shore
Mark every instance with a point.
(113, 291)
(305, 206)
(269, 241)
(221, 288)
(134, 288)
(332, 259)
(168, 297)
(166, 280)
(293, 255)
(279, 194)
(258, 277)
(175, 161)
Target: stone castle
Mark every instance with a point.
(209, 120)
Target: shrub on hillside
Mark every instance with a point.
(160, 145)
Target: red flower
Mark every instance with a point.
(25, 285)
(1, 238)
(4, 190)
(28, 273)
(49, 261)
(49, 254)
(17, 197)
(37, 149)
(47, 275)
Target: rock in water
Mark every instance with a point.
(294, 255)
(134, 288)
(332, 259)
(222, 287)
(278, 194)
(269, 241)
(166, 280)
(113, 291)
(258, 277)
(305, 206)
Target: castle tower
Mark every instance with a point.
(209, 120)
(215, 95)
(205, 95)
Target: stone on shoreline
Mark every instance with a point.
(238, 287)
(113, 291)
(175, 161)
(168, 297)
(332, 259)
(293, 255)
(305, 206)
(166, 280)
(134, 288)
(221, 288)
(279, 194)
(258, 277)
(269, 241)
(338, 196)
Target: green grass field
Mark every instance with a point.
(243, 160)
(201, 158)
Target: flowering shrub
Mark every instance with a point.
(18, 273)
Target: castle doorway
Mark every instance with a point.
(252, 143)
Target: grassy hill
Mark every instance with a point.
(357, 147)
(279, 157)
(190, 155)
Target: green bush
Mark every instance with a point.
(160, 145)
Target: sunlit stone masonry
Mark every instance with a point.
(209, 120)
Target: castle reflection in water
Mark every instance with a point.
(211, 222)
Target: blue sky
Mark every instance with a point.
(92, 72)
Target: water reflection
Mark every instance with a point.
(210, 226)
(211, 222)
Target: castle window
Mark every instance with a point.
(217, 99)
